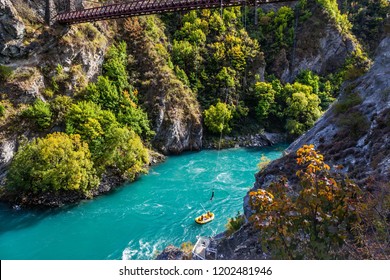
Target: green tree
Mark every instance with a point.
(322, 89)
(40, 113)
(110, 143)
(136, 119)
(217, 118)
(302, 108)
(122, 104)
(92, 123)
(124, 150)
(266, 97)
(114, 66)
(56, 162)
(186, 56)
(105, 93)
(225, 78)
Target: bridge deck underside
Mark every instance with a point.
(148, 7)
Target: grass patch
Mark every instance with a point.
(234, 224)
(355, 123)
(348, 103)
(5, 73)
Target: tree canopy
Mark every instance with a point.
(56, 162)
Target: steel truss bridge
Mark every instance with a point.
(149, 7)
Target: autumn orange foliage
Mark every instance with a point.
(313, 223)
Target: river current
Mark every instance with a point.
(140, 219)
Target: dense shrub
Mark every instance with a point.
(354, 123)
(60, 107)
(110, 143)
(125, 151)
(266, 96)
(321, 87)
(347, 103)
(217, 118)
(40, 113)
(114, 93)
(314, 224)
(5, 73)
(367, 18)
(56, 162)
(302, 108)
(2, 110)
(92, 123)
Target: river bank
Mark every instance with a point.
(113, 179)
(255, 140)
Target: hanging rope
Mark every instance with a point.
(219, 143)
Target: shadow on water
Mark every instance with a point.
(278, 148)
(12, 219)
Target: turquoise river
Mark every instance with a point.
(140, 219)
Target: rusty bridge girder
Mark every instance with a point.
(148, 7)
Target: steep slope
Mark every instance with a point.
(320, 45)
(307, 36)
(354, 134)
(34, 53)
(172, 106)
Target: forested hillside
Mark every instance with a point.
(96, 99)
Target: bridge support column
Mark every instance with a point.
(50, 10)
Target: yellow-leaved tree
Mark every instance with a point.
(312, 224)
(56, 162)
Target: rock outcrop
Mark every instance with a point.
(34, 51)
(12, 31)
(41, 58)
(319, 46)
(7, 151)
(177, 124)
(358, 137)
(171, 253)
(263, 139)
(353, 133)
(172, 106)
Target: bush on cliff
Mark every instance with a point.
(111, 144)
(113, 92)
(217, 118)
(315, 223)
(56, 162)
(40, 113)
(5, 73)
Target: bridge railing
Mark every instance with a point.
(147, 7)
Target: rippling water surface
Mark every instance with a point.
(140, 219)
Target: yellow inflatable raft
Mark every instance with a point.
(205, 218)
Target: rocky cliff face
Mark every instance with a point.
(172, 106)
(319, 45)
(358, 136)
(34, 51)
(12, 31)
